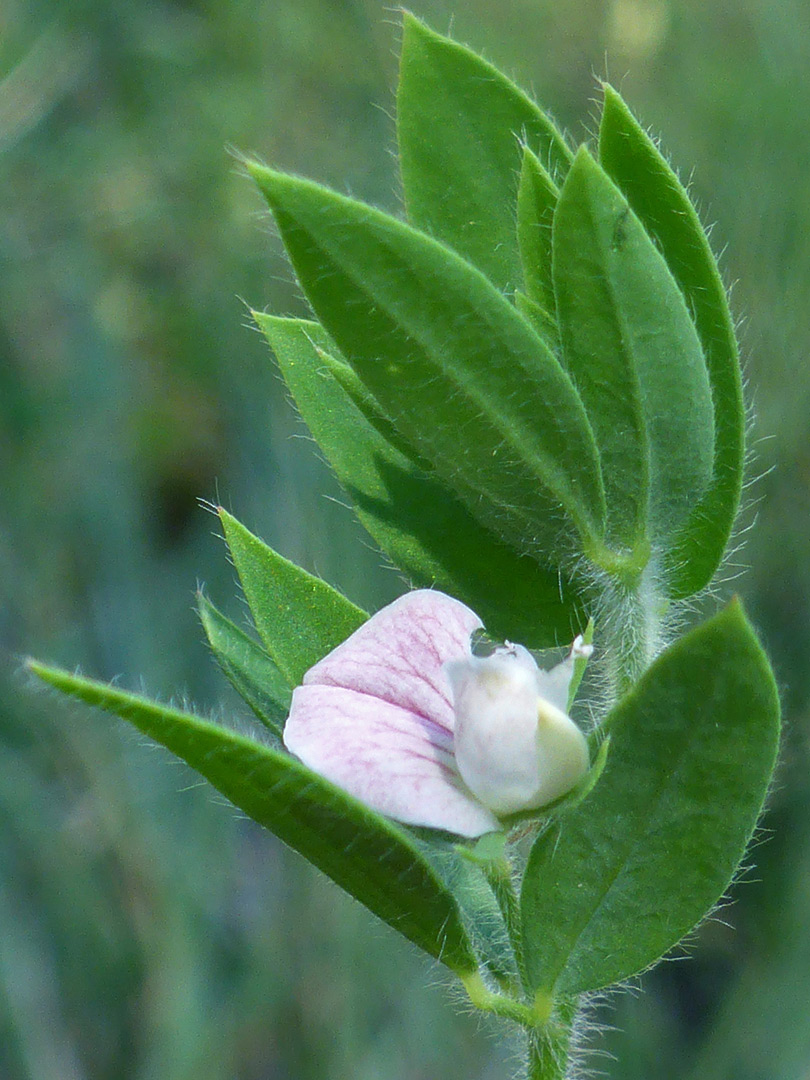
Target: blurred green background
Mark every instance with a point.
(145, 931)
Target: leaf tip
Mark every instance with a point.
(41, 671)
(31, 667)
(229, 522)
(413, 25)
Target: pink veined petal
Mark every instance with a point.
(387, 756)
(397, 656)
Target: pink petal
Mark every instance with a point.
(389, 757)
(397, 656)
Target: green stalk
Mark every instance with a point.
(632, 617)
(498, 873)
(550, 1044)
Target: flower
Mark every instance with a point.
(403, 716)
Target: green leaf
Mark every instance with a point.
(545, 325)
(249, 668)
(659, 199)
(351, 384)
(299, 617)
(418, 523)
(632, 351)
(537, 201)
(368, 856)
(460, 125)
(618, 881)
(442, 351)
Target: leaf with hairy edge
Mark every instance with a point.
(364, 853)
(299, 617)
(417, 522)
(659, 199)
(619, 881)
(364, 401)
(537, 201)
(248, 667)
(442, 351)
(632, 351)
(460, 125)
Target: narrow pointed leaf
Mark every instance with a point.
(659, 199)
(365, 854)
(442, 350)
(631, 348)
(460, 125)
(655, 845)
(537, 201)
(248, 667)
(418, 523)
(299, 617)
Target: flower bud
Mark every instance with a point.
(515, 746)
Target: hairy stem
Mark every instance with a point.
(633, 618)
(499, 876)
(550, 1044)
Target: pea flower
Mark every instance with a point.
(404, 717)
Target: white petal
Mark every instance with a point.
(393, 760)
(399, 654)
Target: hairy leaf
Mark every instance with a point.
(632, 351)
(248, 667)
(460, 125)
(442, 351)
(299, 617)
(422, 526)
(617, 882)
(537, 201)
(659, 199)
(368, 856)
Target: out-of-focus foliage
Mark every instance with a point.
(130, 386)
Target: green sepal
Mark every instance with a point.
(423, 528)
(467, 881)
(580, 664)
(632, 350)
(298, 616)
(367, 855)
(635, 164)
(537, 201)
(618, 881)
(460, 125)
(254, 676)
(441, 349)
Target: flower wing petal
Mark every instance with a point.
(398, 655)
(386, 756)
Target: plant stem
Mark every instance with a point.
(633, 620)
(498, 873)
(549, 1026)
(550, 1044)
